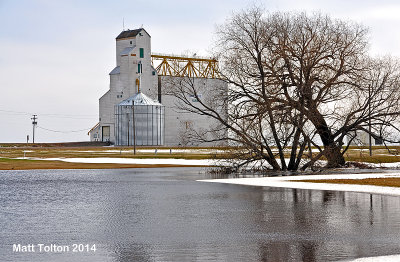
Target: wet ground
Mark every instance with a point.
(165, 215)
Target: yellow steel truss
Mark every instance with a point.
(168, 65)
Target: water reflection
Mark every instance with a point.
(342, 223)
(132, 252)
(165, 215)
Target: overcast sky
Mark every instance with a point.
(55, 56)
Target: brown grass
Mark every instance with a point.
(66, 152)
(21, 164)
(391, 182)
(74, 150)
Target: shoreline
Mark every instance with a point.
(295, 182)
(37, 164)
(339, 182)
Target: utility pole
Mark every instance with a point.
(369, 121)
(138, 82)
(127, 119)
(134, 127)
(34, 123)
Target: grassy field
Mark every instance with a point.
(121, 152)
(9, 153)
(25, 164)
(391, 182)
(380, 155)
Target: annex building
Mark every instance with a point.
(138, 109)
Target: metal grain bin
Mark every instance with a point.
(139, 120)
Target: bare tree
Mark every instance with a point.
(296, 81)
(249, 115)
(374, 105)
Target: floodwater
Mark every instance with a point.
(165, 215)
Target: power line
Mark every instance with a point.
(64, 115)
(69, 117)
(58, 131)
(15, 112)
(11, 112)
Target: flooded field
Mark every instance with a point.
(166, 215)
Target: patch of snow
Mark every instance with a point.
(145, 161)
(391, 258)
(288, 182)
(84, 151)
(394, 164)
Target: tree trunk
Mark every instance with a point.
(334, 156)
(293, 153)
(332, 150)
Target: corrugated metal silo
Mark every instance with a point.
(139, 120)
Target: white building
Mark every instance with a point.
(134, 72)
(362, 139)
